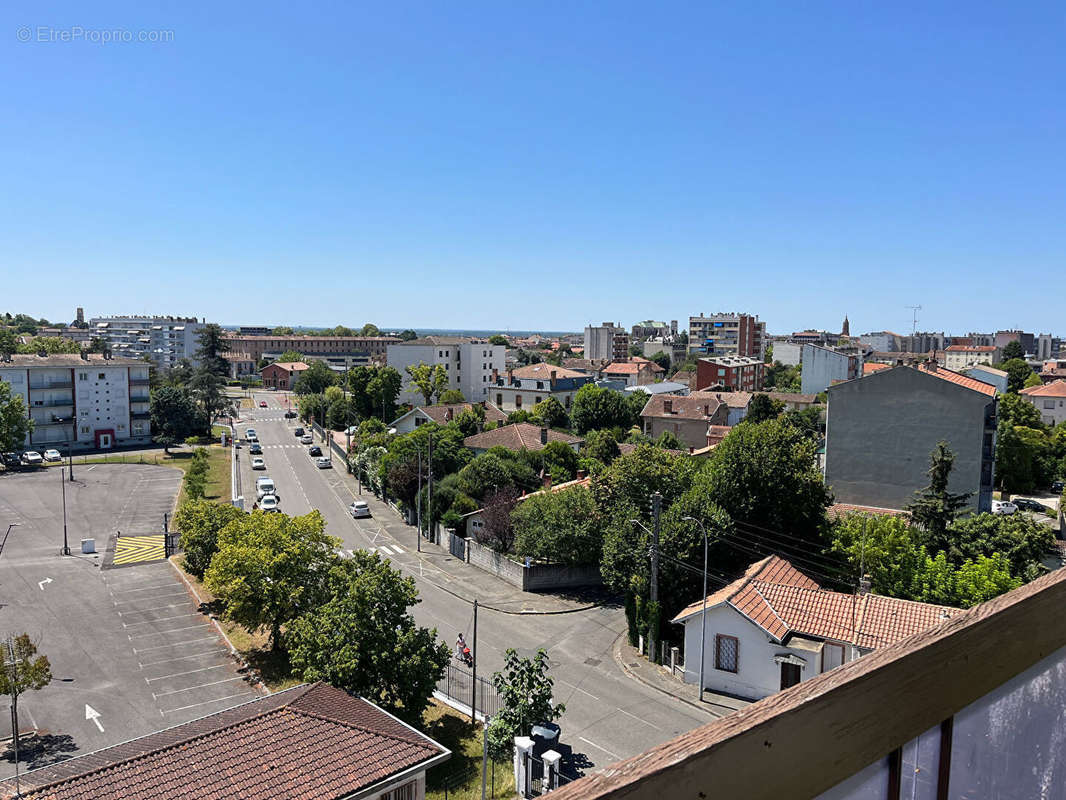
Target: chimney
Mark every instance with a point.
(864, 585)
(546, 479)
(84, 356)
(510, 376)
(706, 410)
(581, 475)
(495, 375)
(448, 414)
(668, 406)
(551, 378)
(543, 435)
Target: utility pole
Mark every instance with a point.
(418, 505)
(656, 509)
(473, 667)
(347, 421)
(11, 665)
(429, 491)
(63, 485)
(70, 459)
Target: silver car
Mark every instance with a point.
(359, 508)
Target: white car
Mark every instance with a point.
(263, 487)
(306, 439)
(52, 455)
(323, 463)
(269, 502)
(1003, 507)
(250, 435)
(258, 463)
(359, 508)
(31, 457)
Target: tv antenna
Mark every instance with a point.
(914, 318)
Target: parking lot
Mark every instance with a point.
(130, 651)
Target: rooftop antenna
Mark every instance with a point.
(914, 318)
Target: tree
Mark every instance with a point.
(1013, 350)
(174, 416)
(525, 691)
(596, 408)
(384, 388)
(315, 379)
(15, 424)
(558, 527)
(370, 329)
(1018, 372)
(22, 670)
(600, 445)
(282, 330)
(1032, 380)
(498, 530)
(669, 441)
(559, 460)
(52, 345)
(340, 413)
(290, 356)
(207, 388)
(935, 507)
(8, 343)
(199, 522)
(762, 407)
(408, 335)
(364, 640)
(269, 569)
(549, 413)
(972, 582)
(1019, 538)
(451, 396)
(782, 378)
(662, 358)
(1016, 410)
(213, 344)
(499, 339)
(427, 379)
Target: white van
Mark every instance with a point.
(264, 486)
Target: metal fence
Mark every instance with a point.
(540, 778)
(458, 684)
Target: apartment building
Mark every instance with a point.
(1049, 399)
(824, 366)
(688, 418)
(606, 342)
(732, 373)
(883, 341)
(469, 363)
(246, 351)
(166, 340)
(91, 401)
(524, 387)
(731, 334)
(654, 329)
(961, 356)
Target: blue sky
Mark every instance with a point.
(538, 165)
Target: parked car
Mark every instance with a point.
(314, 450)
(251, 435)
(269, 502)
(1025, 504)
(290, 414)
(52, 455)
(262, 403)
(359, 508)
(263, 487)
(32, 457)
(10, 460)
(1057, 487)
(324, 463)
(298, 432)
(255, 449)
(1003, 507)
(258, 463)
(306, 439)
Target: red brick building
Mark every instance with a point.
(732, 373)
(282, 374)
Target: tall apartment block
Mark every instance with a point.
(731, 334)
(469, 363)
(606, 342)
(166, 340)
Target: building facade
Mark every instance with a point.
(924, 342)
(687, 418)
(882, 429)
(729, 334)
(882, 341)
(340, 352)
(165, 340)
(469, 364)
(731, 373)
(524, 387)
(607, 342)
(1049, 399)
(824, 366)
(653, 329)
(959, 356)
(282, 374)
(89, 402)
(788, 353)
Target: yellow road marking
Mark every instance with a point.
(139, 549)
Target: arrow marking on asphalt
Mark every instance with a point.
(94, 715)
(41, 584)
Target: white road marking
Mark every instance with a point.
(157, 597)
(198, 686)
(143, 589)
(398, 549)
(601, 749)
(640, 719)
(578, 689)
(175, 644)
(161, 619)
(41, 584)
(164, 633)
(153, 608)
(94, 715)
(187, 672)
(90, 469)
(180, 658)
(204, 703)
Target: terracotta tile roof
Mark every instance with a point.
(1053, 389)
(731, 399)
(632, 367)
(793, 397)
(783, 601)
(312, 742)
(698, 405)
(543, 371)
(868, 368)
(516, 437)
(971, 348)
(840, 509)
(959, 378)
(439, 413)
(289, 366)
(684, 377)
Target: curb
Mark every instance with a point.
(616, 653)
(516, 613)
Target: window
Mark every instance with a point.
(499, 399)
(725, 652)
(832, 656)
(518, 401)
(1049, 404)
(101, 376)
(83, 376)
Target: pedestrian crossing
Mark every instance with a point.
(385, 550)
(286, 446)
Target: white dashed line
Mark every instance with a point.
(601, 749)
(187, 672)
(176, 644)
(198, 686)
(204, 703)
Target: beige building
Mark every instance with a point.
(526, 386)
(963, 356)
(688, 418)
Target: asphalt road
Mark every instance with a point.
(130, 651)
(608, 715)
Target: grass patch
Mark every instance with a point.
(459, 778)
(273, 667)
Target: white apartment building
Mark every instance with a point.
(728, 334)
(166, 340)
(468, 362)
(962, 356)
(88, 401)
(606, 342)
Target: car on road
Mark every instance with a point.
(1025, 504)
(258, 463)
(324, 463)
(255, 449)
(263, 487)
(262, 403)
(299, 432)
(269, 503)
(290, 414)
(1057, 487)
(32, 457)
(250, 435)
(52, 455)
(1003, 507)
(314, 450)
(306, 439)
(359, 508)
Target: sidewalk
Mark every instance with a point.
(633, 664)
(438, 566)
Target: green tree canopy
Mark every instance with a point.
(174, 416)
(52, 345)
(1018, 372)
(498, 339)
(549, 413)
(315, 379)
(289, 356)
(8, 342)
(596, 408)
(212, 344)
(1013, 350)
(370, 329)
(762, 407)
(364, 640)
(408, 335)
(935, 508)
(558, 527)
(15, 424)
(451, 396)
(525, 691)
(427, 379)
(600, 445)
(283, 330)
(199, 522)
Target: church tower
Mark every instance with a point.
(846, 329)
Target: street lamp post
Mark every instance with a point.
(70, 458)
(9, 527)
(703, 615)
(63, 484)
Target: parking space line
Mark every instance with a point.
(198, 686)
(181, 658)
(153, 608)
(187, 672)
(164, 633)
(144, 588)
(205, 702)
(175, 644)
(161, 619)
(640, 719)
(601, 749)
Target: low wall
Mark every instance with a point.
(531, 578)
